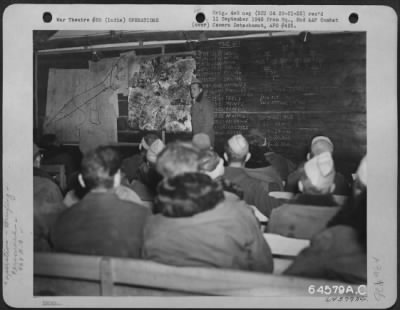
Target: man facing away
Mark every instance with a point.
(101, 223)
(237, 154)
(319, 144)
(309, 211)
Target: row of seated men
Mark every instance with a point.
(182, 206)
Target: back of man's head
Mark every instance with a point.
(320, 144)
(318, 175)
(147, 141)
(211, 164)
(177, 158)
(202, 141)
(99, 168)
(155, 148)
(237, 150)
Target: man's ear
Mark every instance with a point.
(248, 156)
(308, 156)
(81, 181)
(332, 188)
(117, 178)
(36, 162)
(226, 157)
(301, 186)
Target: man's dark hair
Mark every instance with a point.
(187, 194)
(150, 138)
(208, 160)
(99, 167)
(48, 140)
(177, 158)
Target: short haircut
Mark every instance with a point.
(308, 187)
(208, 160)
(99, 167)
(233, 156)
(177, 158)
(188, 194)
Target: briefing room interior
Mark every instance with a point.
(218, 163)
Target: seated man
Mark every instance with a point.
(197, 227)
(237, 154)
(177, 158)
(47, 202)
(202, 141)
(319, 145)
(299, 217)
(54, 153)
(148, 177)
(101, 223)
(213, 165)
(147, 172)
(263, 157)
(339, 251)
(130, 165)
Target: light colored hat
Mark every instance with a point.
(201, 141)
(362, 171)
(155, 148)
(239, 145)
(321, 144)
(320, 170)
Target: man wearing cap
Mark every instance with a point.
(148, 174)
(319, 144)
(202, 112)
(131, 164)
(299, 217)
(339, 251)
(237, 154)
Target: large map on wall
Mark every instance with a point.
(159, 93)
(82, 104)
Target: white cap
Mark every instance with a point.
(155, 148)
(321, 144)
(320, 170)
(362, 171)
(239, 145)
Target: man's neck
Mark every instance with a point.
(101, 190)
(236, 165)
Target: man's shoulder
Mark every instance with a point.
(131, 207)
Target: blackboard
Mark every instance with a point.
(290, 89)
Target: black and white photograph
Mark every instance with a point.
(201, 163)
